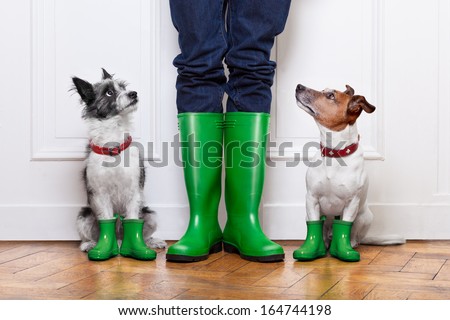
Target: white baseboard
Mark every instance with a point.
(411, 221)
(33, 222)
(281, 222)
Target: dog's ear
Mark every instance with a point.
(85, 90)
(106, 75)
(358, 103)
(349, 90)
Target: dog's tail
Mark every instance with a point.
(87, 228)
(385, 240)
(149, 217)
(146, 210)
(85, 212)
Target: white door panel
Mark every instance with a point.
(396, 57)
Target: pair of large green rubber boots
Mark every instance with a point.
(207, 139)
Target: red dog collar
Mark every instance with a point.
(339, 153)
(111, 151)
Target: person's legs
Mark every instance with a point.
(252, 26)
(246, 42)
(202, 40)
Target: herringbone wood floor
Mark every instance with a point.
(58, 270)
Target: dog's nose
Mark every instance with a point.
(300, 87)
(132, 94)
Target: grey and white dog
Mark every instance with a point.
(118, 188)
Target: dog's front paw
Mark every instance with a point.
(354, 243)
(88, 245)
(156, 243)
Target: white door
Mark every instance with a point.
(396, 54)
(397, 58)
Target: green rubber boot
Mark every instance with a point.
(314, 246)
(245, 144)
(340, 242)
(133, 244)
(107, 241)
(201, 136)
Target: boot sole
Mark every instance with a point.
(335, 255)
(320, 255)
(110, 255)
(184, 258)
(137, 256)
(272, 258)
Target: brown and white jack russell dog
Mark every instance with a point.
(338, 187)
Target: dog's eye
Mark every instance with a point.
(330, 95)
(109, 93)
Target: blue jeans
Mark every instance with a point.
(239, 32)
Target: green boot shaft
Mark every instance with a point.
(201, 138)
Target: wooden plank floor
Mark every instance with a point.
(58, 270)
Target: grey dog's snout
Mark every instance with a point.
(132, 94)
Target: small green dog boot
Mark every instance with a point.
(340, 242)
(133, 244)
(314, 246)
(107, 242)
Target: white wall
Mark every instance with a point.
(394, 52)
